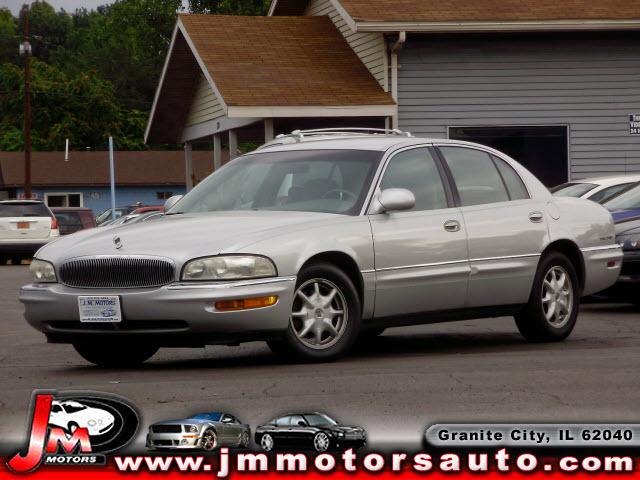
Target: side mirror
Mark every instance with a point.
(171, 201)
(395, 200)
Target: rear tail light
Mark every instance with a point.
(54, 223)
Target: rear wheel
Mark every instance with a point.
(552, 310)
(325, 318)
(245, 440)
(3, 259)
(115, 355)
(16, 260)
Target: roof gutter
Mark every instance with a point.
(394, 50)
(525, 26)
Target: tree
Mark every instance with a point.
(9, 38)
(230, 7)
(48, 29)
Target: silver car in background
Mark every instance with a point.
(320, 237)
(204, 431)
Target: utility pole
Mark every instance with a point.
(25, 50)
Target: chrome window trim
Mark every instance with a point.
(454, 262)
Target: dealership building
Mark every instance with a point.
(554, 84)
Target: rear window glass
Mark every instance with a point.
(572, 189)
(24, 210)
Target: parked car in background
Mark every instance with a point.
(25, 226)
(205, 431)
(319, 238)
(73, 219)
(133, 218)
(309, 431)
(138, 208)
(625, 209)
(598, 189)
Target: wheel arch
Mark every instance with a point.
(344, 262)
(571, 250)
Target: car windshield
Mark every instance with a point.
(319, 420)
(27, 209)
(627, 200)
(572, 189)
(330, 181)
(72, 408)
(214, 417)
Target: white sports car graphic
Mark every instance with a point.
(71, 415)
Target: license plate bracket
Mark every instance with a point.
(100, 309)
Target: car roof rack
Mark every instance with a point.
(300, 135)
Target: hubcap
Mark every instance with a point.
(266, 442)
(321, 442)
(209, 441)
(319, 317)
(557, 297)
(245, 439)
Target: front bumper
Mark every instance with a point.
(173, 440)
(179, 314)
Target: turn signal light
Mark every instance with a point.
(246, 303)
(54, 223)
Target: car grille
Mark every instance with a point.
(164, 443)
(166, 428)
(117, 272)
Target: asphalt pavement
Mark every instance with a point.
(394, 386)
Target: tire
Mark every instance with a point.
(3, 260)
(553, 319)
(109, 355)
(16, 260)
(319, 331)
(321, 442)
(72, 427)
(245, 440)
(267, 442)
(209, 441)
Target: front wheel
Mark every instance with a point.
(209, 441)
(325, 318)
(321, 442)
(552, 310)
(267, 443)
(110, 355)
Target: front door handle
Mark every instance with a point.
(452, 226)
(536, 217)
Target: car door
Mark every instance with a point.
(506, 229)
(282, 432)
(421, 258)
(300, 432)
(227, 428)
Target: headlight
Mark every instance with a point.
(229, 267)
(43, 272)
(91, 423)
(630, 243)
(191, 428)
(340, 434)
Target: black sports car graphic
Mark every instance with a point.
(304, 431)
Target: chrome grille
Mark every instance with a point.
(117, 272)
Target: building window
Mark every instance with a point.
(63, 199)
(543, 150)
(164, 195)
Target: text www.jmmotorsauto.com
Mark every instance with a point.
(501, 461)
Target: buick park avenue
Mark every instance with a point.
(321, 237)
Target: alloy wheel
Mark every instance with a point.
(266, 442)
(244, 440)
(557, 297)
(209, 440)
(321, 442)
(319, 317)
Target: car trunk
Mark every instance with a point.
(24, 221)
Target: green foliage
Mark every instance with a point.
(94, 73)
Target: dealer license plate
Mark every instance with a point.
(23, 225)
(99, 309)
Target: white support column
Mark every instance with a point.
(269, 131)
(188, 164)
(217, 152)
(233, 144)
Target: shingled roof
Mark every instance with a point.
(133, 168)
(257, 65)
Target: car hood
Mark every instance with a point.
(183, 237)
(346, 429)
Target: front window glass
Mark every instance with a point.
(475, 175)
(319, 420)
(331, 181)
(283, 422)
(628, 200)
(73, 408)
(572, 189)
(416, 171)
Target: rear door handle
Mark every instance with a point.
(452, 226)
(536, 217)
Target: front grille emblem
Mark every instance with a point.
(117, 242)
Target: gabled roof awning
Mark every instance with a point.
(260, 67)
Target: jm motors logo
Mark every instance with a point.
(75, 429)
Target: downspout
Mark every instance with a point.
(395, 49)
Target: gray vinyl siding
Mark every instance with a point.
(590, 83)
(206, 105)
(370, 47)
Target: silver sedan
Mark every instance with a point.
(319, 238)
